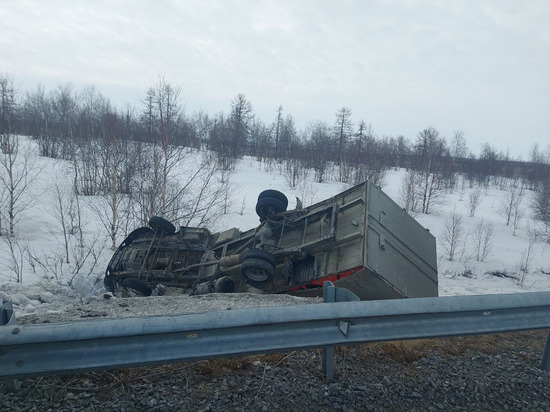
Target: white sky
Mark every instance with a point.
(480, 66)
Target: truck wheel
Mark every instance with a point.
(275, 194)
(257, 272)
(162, 225)
(268, 206)
(137, 286)
(224, 285)
(260, 254)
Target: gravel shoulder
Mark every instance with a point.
(107, 306)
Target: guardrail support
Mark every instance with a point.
(7, 317)
(545, 364)
(333, 294)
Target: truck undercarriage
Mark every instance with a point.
(359, 239)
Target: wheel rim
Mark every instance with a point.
(257, 274)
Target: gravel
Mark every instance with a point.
(497, 372)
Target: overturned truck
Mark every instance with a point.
(359, 239)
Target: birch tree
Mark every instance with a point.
(18, 168)
(431, 153)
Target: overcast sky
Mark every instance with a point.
(479, 66)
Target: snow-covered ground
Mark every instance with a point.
(38, 233)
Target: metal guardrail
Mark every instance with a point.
(56, 348)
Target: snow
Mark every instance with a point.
(37, 234)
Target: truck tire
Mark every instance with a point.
(257, 272)
(275, 194)
(162, 225)
(268, 206)
(260, 254)
(224, 285)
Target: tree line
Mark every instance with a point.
(131, 156)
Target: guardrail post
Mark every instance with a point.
(333, 294)
(327, 363)
(7, 317)
(545, 364)
(12, 385)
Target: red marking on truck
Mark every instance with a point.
(317, 283)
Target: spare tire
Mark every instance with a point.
(162, 225)
(268, 206)
(274, 194)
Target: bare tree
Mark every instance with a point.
(65, 111)
(431, 156)
(462, 188)
(517, 214)
(459, 147)
(199, 197)
(408, 196)
(158, 162)
(294, 172)
(241, 116)
(8, 108)
(453, 232)
(525, 263)
(145, 184)
(319, 146)
(429, 190)
(486, 164)
(227, 191)
(53, 266)
(118, 168)
(287, 138)
(307, 193)
(112, 210)
(482, 237)
(277, 130)
(342, 130)
(540, 204)
(18, 171)
(40, 120)
(198, 191)
(365, 172)
(474, 201)
(61, 214)
(167, 106)
(260, 140)
(16, 258)
(510, 202)
(96, 125)
(536, 174)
